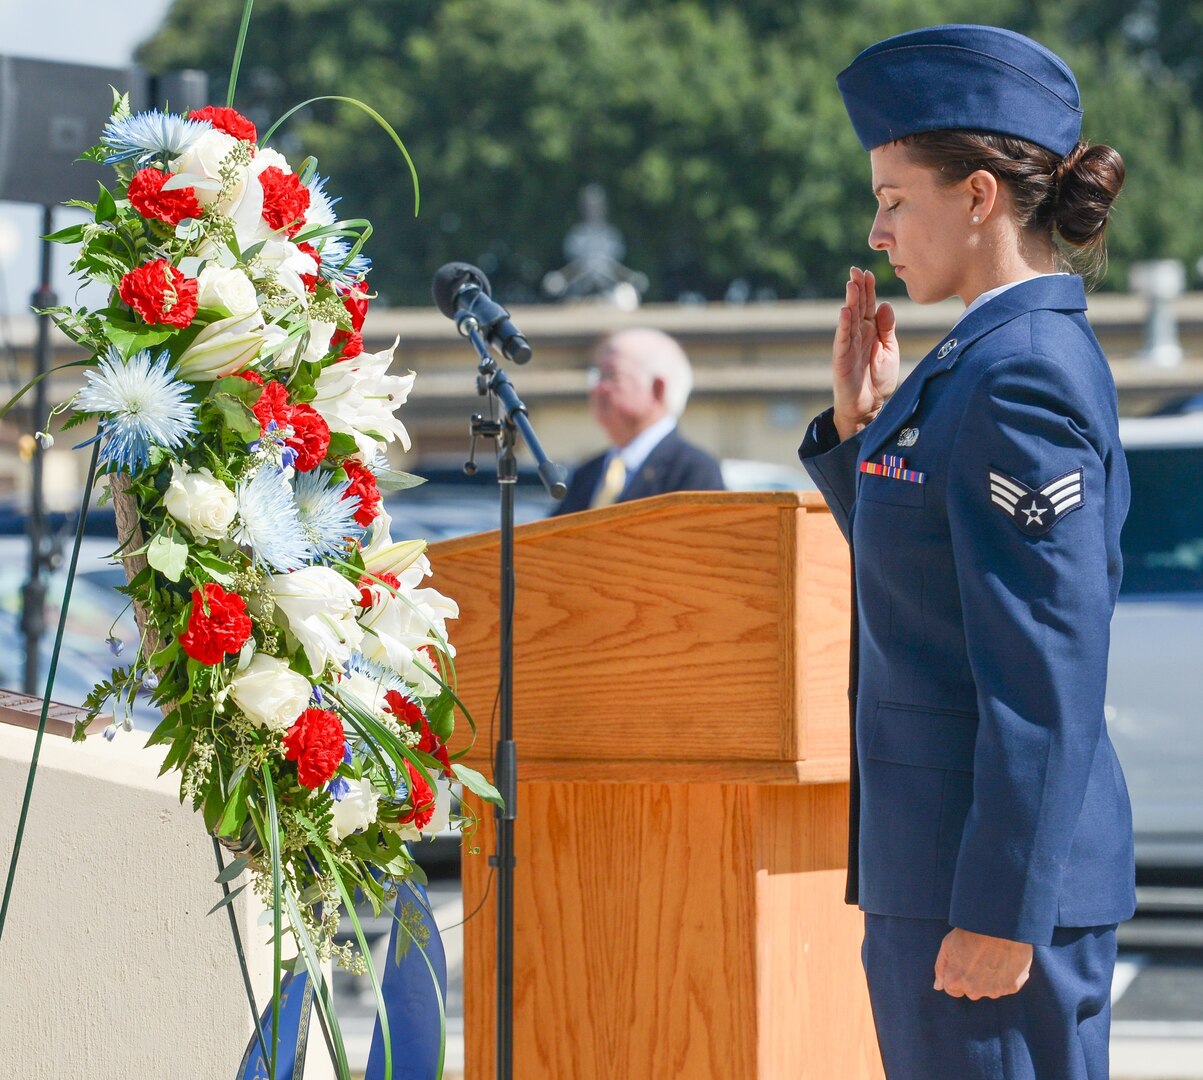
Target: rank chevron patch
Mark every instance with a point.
(1035, 512)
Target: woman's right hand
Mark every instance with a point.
(864, 355)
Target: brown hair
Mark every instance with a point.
(1068, 196)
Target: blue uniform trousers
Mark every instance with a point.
(1056, 1028)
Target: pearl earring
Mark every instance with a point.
(976, 219)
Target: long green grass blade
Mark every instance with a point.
(381, 1012)
(273, 847)
(238, 48)
(321, 994)
(413, 172)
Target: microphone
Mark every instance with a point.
(462, 292)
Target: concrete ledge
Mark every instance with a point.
(111, 966)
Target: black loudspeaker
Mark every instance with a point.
(51, 112)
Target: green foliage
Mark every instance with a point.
(715, 127)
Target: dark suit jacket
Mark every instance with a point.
(673, 465)
(989, 792)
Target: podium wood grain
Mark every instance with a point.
(681, 720)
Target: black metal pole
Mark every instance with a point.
(506, 766)
(494, 383)
(33, 593)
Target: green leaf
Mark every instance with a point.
(233, 814)
(219, 569)
(168, 555)
(129, 342)
(477, 784)
(237, 417)
(388, 480)
(233, 870)
(72, 234)
(342, 445)
(106, 207)
(440, 714)
(227, 898)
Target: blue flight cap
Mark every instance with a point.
(979, 78)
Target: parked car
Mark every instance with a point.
(1155, 682)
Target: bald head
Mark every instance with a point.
(643, 376)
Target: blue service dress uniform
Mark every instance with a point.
(983, 507)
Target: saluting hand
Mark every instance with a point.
(864, 356)
(978, 966)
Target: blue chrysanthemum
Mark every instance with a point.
(268, 522)
(334, 251)
(326, 516)
(150, 136)
(141, 404)
(321, 205)
(385, 677)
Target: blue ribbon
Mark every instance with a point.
(296, 1001)
(416, 1027)
(407, 985)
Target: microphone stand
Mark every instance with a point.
(493, 383)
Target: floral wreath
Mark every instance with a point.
(300, 661)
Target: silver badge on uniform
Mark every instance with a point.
(946, 348)
(1035, 512)
(908, 436)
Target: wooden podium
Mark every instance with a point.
(680, 711)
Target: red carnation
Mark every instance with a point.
(421, 799)
(146, 195)
(272, 405)
(311, 280)
(351, 342)
(363, 486)
(231, 121)
(160, 294)
(285, 199)
(356, 303)
(410, 712)
(310, 436)
(251, 376)
(315, 742)
(223, 629)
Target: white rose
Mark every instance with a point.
(201, 162)
(358, 397)
(229, 289)
(354, 811)
(270, 693)
(200, 501)
(222, 348)
(319, 606)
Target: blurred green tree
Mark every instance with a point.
(714, 126)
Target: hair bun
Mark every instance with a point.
(1088, 179)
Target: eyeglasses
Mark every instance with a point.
(595, 376)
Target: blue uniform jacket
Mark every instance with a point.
(985, 787)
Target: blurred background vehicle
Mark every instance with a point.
(1155, 684)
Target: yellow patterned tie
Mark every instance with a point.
(612, 483)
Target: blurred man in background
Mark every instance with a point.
(639, 385)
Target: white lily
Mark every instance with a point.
(358, 397)
(222, 348)
(319, 606)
